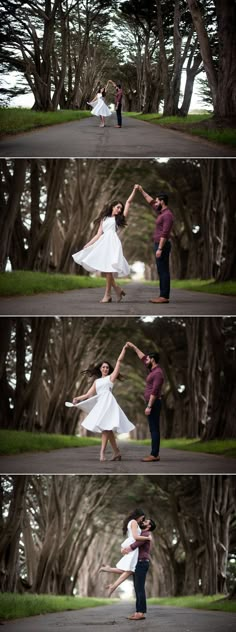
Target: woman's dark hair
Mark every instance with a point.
(95, 371)
(103, 92)
(107, 212)
(137, 513)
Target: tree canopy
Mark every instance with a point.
(63, 48)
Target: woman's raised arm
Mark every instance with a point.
(128, 202)
(116, 371)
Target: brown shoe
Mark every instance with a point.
(136, 617)
(160, 299)
(150, 458)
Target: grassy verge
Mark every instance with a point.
(207, 285)
(213, 602)
(13, 606)
(26, 282)
(192, 125)
(17, 441)
(225, 447)
(14, 120)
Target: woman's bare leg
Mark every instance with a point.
(107, 295)
(111, 569)
(118, 290)
(105, 436)
(113, 442)
(122, 578)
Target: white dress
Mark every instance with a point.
(99, 106)
(106, 254)
(103, 411)
(128, 562)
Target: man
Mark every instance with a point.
(152, 395)
(118, 102)
(162, 245)
(141, 570)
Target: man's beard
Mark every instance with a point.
(159, 207)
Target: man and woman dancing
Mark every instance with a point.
(135, 559)
(99, 107)
(104, 414)
(104, 253)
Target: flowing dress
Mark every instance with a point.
(106, 254)
(128, 562)
(104, 413)
(99, 106)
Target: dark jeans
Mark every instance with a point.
(163, 269)
(118, 114)
(154, 426)
(139, 585)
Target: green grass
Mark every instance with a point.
(225, 447)
(17, 441)
(14, 120)
(13, 606)
(211, 602)
(167, 120)
(209, 286)
(26, 282)
(225, 136)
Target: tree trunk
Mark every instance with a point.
(9, 212)
(225, 106)
(205, 47)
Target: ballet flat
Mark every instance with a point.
(122, 293)
(108, 300)
(117, 457)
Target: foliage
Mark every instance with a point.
(56, 531)
(16, 442)
(14, 120)
(15, 606)
(22, 282)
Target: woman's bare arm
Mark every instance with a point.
(116, 371)
(98, 234)
(135, 534)
(128, 202)
(90, 393)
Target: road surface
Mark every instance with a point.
(136, 303)
(86, 461)
(114, 617)
(85, 139)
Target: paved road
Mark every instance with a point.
(136, 303)
(114, 617)
(85, 138)
(86, 461)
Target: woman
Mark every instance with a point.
(104, 252)
(99, 106)
(127, 564)
(104, 414)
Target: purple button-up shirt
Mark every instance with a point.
(154, 381)
(144, 547)
(164, 222)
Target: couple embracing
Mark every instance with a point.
(135, 559)
(104, 253)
